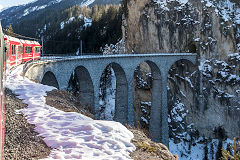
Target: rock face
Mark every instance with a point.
(206, 96)
(204, 99)
(176, 26)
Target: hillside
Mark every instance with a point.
(61, 24)
(33, 10)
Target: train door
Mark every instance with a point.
(13, 54)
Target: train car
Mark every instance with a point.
(31, 50)
(19, 50)
(13, 50)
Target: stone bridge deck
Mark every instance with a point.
(89, 70)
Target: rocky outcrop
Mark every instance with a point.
(204, 99)
(147, 149)
(181, 26)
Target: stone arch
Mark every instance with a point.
(182, 60)
(121, 94)
(85, 86)
(156, 101)
(50, 79)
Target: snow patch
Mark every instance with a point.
(32, 9)
(197, 151)
(163, 3)
(87, 22)
(107, 101)
(205, 68)
(87, 2)
(62, 25)
(72, 135)
(118, 48)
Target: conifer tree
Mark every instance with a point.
(10, 30)
(234, 153)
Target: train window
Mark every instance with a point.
(37, 49)
(20, 49)
(13, 49)
(28, 50)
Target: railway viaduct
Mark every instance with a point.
(89, 69)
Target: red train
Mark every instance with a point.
(19, 50)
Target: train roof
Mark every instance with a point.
(10, 38)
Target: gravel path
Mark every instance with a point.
(21, 141)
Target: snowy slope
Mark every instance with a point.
(16, 14)
(72, 135)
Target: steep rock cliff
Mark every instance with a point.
(204, 99)
(208, 28)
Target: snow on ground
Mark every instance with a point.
(109, 104)
(187, 147)
(118, 48)
(32, 9)
(187, 151)
(87, 2)
(87, 21)
(67, 22)
(72, 135)
(163, 3)
(109, 111)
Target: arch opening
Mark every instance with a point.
(81, 86)
(113, 94)
(147, 99)
(50, 80)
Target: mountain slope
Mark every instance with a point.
(62, 22)
(32, 10)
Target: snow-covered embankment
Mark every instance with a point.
(72, 135)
